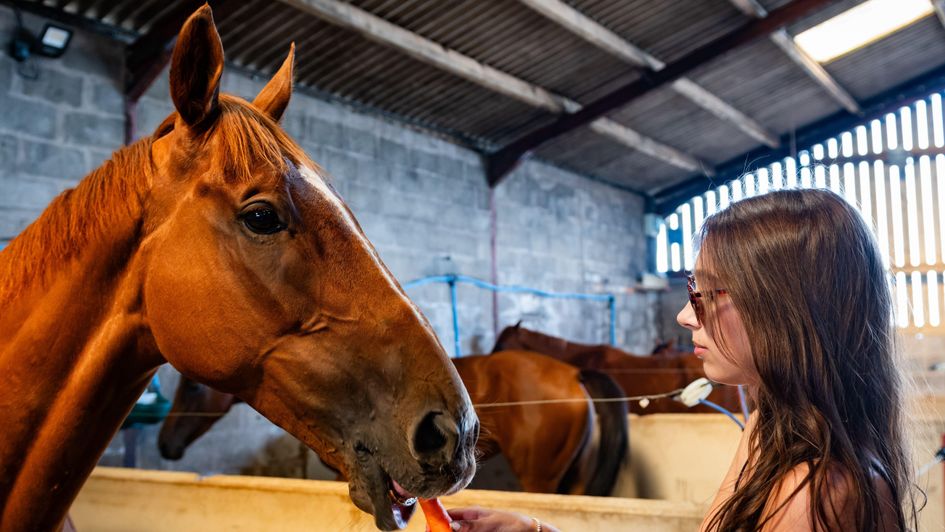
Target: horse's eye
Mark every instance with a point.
(262, 220)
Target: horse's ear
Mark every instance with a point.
(196, 67)
(518, 324)
(274, 97)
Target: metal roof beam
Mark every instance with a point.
(608, 41)
(504, 160)
(432, 53)
(814, 69)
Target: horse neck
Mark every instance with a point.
(474, 372)
(561, 349)
(74, 348)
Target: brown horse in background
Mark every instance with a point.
(572, 447)
(665, 370)
(216, 244)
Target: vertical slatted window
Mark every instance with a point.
(898, 236)
(790, 171)
(912, 215)
(938, 132)
(866, 192)
(928, 216)
(876, 134)
(882, 210)
(804, 160)
(892, 169)
(902, 299)
(931, 284)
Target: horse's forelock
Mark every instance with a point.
(250, 139)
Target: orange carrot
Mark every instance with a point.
(437, 518)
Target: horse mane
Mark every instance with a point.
(73, 219)
(115, 190)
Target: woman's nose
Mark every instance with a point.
(687, 317)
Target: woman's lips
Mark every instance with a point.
(699, 351)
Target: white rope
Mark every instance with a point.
(194, 414)
(560, 401)
(508, 403)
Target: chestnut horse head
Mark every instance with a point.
(516, 337)
(590, 438)
(218, 246)
(195, 409)
(508, 339)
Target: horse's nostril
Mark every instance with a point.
(429, 437)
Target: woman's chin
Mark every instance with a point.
(729, 376)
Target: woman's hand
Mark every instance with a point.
(477, 519)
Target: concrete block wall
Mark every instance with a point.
(422, 200)
(59, 119)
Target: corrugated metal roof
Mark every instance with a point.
(666, 29)
(589, 153)
(757, 79)
(670, 118)
(761, 81)
(891, 61)
(512, 38)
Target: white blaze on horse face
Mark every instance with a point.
(312, 178)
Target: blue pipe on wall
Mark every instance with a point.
(453, 279)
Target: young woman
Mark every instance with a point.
(790, 299)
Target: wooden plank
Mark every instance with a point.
(157, 501)
(608, 41)
(432, 53)
(427, 51)
(643, 144)
(593, 32)
(814, 69)
(751, 8)
(939, 6)
(718, 107)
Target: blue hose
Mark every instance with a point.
(743, 402)
(452, 280)
(710, 404)
(457, 350)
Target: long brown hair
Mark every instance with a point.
(807, 278)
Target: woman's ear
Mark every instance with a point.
(274, 97)
(196, 67)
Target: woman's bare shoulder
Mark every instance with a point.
(790, 506)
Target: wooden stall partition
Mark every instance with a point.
(117, 499)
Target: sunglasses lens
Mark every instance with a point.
(696, 302)
(697, 308)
